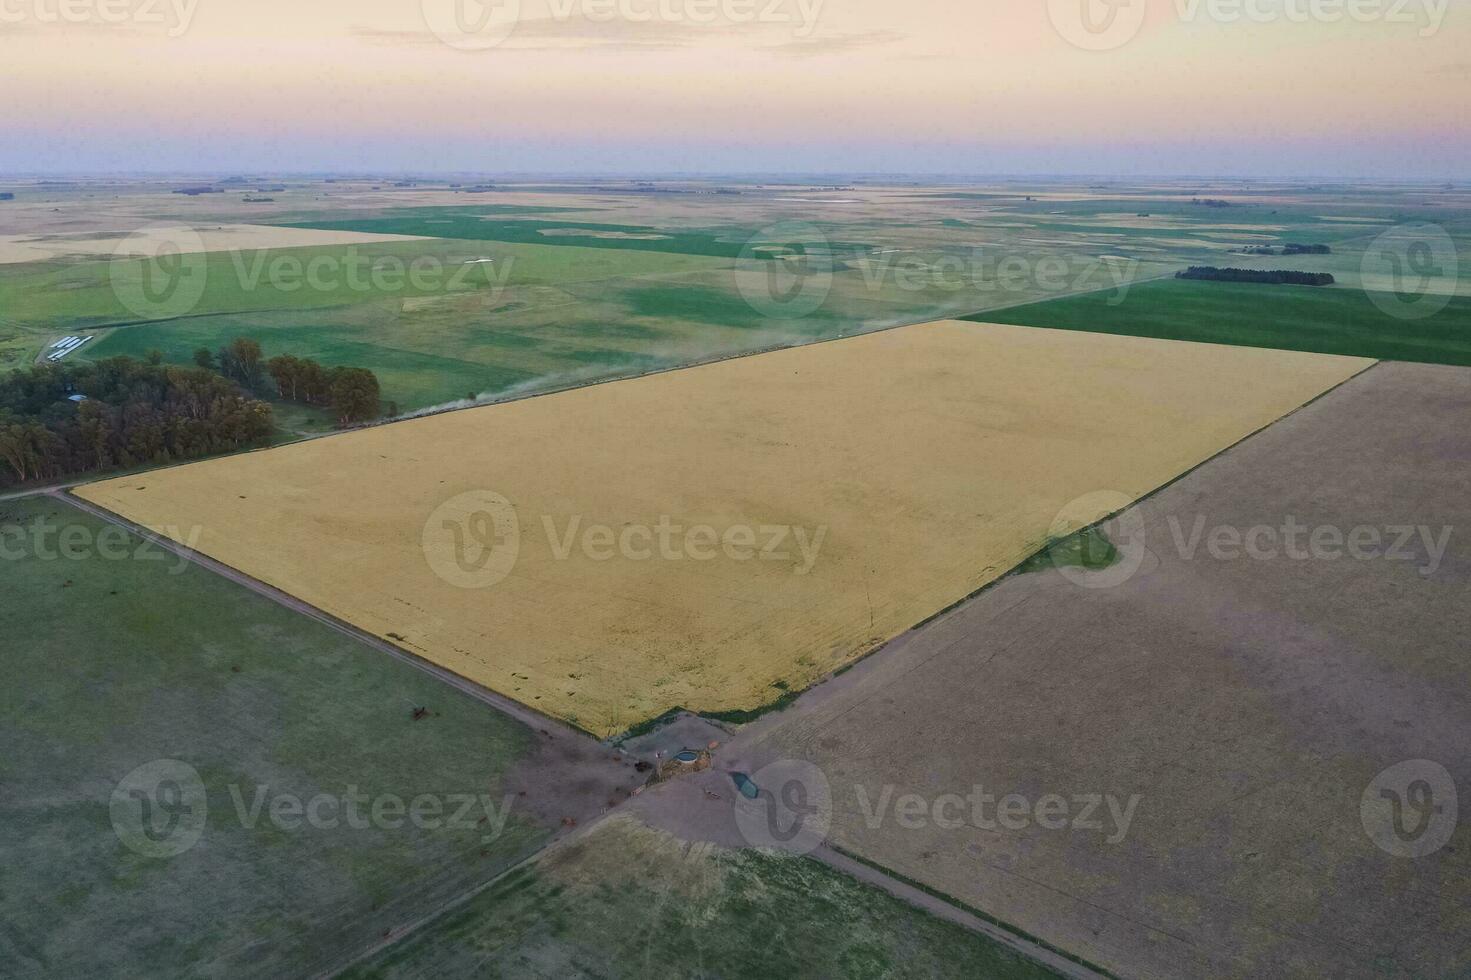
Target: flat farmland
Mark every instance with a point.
(1237, 714)
(496, 541)
(592, 281)
(119, 659)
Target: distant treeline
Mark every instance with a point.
(1288, 250)
(1275, 277)
(125, 413)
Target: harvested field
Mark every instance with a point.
(497, 541)
(1248, 704)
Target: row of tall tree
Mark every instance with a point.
(1274, 277)
(352, 393)
(62, 420)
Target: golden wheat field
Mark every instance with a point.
(711, 537)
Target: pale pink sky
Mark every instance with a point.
(840, 85)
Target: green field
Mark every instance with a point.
(123, 657)
(1306, 318)
(476, 224)
(628, 901)
(587, 285)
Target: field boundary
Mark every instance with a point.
(527, 716)
(953, 910)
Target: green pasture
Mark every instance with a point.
(627, 901)
(116, 655)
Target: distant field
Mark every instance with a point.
(629, 901)
(1304, 318)
(109, 663)
(480, 224)
(536, 314)
(968, 439)
(67, 296)
(214, 238)
(564, 314)
(591, 281)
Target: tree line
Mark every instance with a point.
(127, 413)
(59, 420)
(353, 394)
(1275, 277)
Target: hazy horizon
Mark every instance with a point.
(1288, 89)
